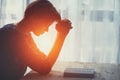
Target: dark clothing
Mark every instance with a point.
(11, 65)
(17, 51)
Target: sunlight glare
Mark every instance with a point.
(45, 41)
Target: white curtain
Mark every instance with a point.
(2, 11)
(11, 11)
(95, 33)
(96, 29)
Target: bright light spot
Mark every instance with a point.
(45, 42)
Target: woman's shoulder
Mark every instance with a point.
(7, 27)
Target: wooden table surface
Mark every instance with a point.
(102, 72)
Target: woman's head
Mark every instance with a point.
(42, 9)
(41, 14)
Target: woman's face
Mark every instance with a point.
(41, 26)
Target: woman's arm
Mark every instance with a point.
(63, 28)
(37, 60)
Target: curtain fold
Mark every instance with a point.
(2, 12)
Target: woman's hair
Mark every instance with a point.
(42, 9)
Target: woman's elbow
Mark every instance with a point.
(45, 71)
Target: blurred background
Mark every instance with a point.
(95, 36)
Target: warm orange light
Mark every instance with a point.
(45, 42)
